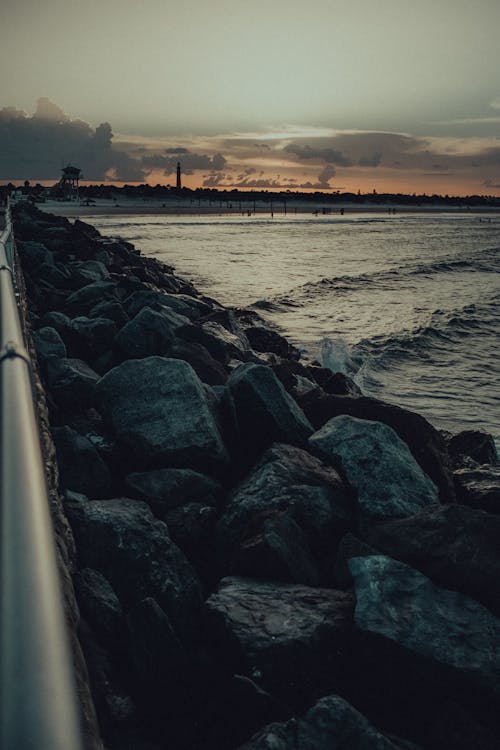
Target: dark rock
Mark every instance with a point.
(166, 489)
(330, 723)
(160, 408)
(84, 299)
(205, 366)
(81, 468)
(71, 381)
(425, 442)
(264, 339)
(48, 343)
(59, 321)
(479, 487)
(122, 539)
(148, 333)
(277, 551)
(439, 646)
(110, 310)
(92, 336)
(222, 343)
(472, 444)
(56, 275)
(263, 411)
(288, 481)
(182, 304)
(379, 465)
(457, 547)
(286, 637)
(99, 604)
(350, 546)
(87, 229)
(191, 527)
(33, 255)
(87, 272)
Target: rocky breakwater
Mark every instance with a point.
(265, 558)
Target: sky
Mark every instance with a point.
(385, 95)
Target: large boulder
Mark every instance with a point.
(91, 337)
(479, 487)
(160, 409)
(439, 646)
(287, 637)
(121, 539)
(148, 333)
(84, 299)
(457, 547)
(99, 604)
(425, 442)
(379, 465)
(330, 723)
(290, 500)
(166, 489)
(71, 381)
(48, 343)
(472, 445)
(263, 411)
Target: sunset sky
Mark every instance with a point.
(389, 95)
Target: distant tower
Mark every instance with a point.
(67, 187)
(179, 186)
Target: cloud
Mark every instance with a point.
(189, 161)
(177, 150)
(326, 175)
(36, 147)
(370, 161)
(491, 184)
(495, 103)
(329, 155)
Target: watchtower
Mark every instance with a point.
(179, 184)
(67, 186)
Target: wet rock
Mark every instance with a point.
(99, 604)
(122, 539)
(87, 272)
(33, 255)
(56, 275)
(424, 441)
(160, 408)
(434, 644)
(379, 465)
(71, 381)
(92, 336)
(330, 723)
(81, 468)
(48, 343)
(350, 546)
(479, 487)
(472, 445)
(110, 310)
(264, 339)
(285, 636)
(222, 343)
(59, 321)
(263, 411)
(191, 527)
(182, 304)
(289, 481)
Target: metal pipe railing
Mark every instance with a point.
(38, 709)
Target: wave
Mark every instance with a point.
(486, 262)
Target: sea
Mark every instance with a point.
(407, 304)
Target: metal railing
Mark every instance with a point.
(38, 709)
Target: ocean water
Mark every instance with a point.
(406, 304)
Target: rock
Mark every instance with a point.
(148, 333)
(473, 445)
(330, 723)
(166, 489)
(424, 441)
(286, 637)
(222, 343)
(205, 366)
(59, 321)
(379, 465)
(99, 604)
(160, 408)
(278, 550)
(457, 547)
(350, 546)
(86, 229)
(33, 255)
(81, 468)
(420, 640)
(264, 339)
(191, 527)
(48, 343)
(92, 336)
(287, 481)
(122, 539)
(110, 310)
(184, 305)
(479, 487)
(56, 275)
(87, 272)
(71, 381)
(81, 301)
(263, 411)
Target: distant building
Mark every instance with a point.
(67, 187)
(179, 183)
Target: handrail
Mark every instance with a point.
(38, 708)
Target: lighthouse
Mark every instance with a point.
(179, 186)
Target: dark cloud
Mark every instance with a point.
(326, 175)
(178, 150)
(189, 161)
(36, 147)
(491, 184)
(329, 155)
(370, 161)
